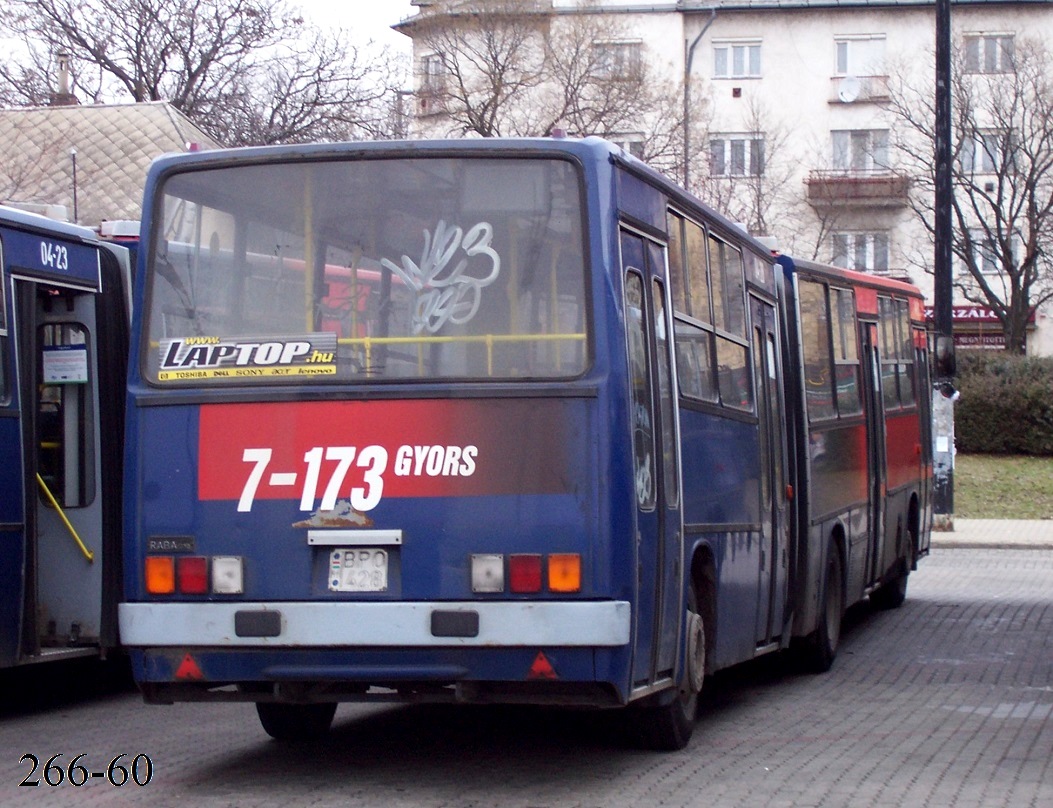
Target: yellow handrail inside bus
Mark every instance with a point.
(489, 340)
(88, 554)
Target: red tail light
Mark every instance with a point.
(524, 573)
(192, 575)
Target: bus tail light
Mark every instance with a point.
(192, 575)
(564, 572)
(488, 573)
(524, 573)
(228, 575)
(160, 575)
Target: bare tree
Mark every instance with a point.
(1002, 178)
(749, 177)
(483, 57)
(517, 68)
(246, 71)
(326, 91)
(24, 85)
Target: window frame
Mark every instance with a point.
(872, 250)
(863, 151)
(618, 59)
(724, 59)
(751, 163)
(848, 66)
(990, 56)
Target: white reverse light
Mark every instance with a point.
(488, 573)
(228, 577)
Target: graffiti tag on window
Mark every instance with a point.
(447, 283)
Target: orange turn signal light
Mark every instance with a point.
(564, 572)
(160, 575)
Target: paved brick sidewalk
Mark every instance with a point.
(996, 534)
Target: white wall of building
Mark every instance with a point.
(797, 90)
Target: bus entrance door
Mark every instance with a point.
(659, 607)
(771, 591)
(57, 348)
(876, 463)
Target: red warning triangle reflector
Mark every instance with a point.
(188, 669)
(542, 668)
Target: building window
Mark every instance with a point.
(866, 252)
(989, 53)
(432, 73)
(986, 254)
(736, 156)
(633, 144)
(983, 152)
(860, 149)
(860, 55)
(618, 60)
(737, 60)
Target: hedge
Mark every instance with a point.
(1006, 404)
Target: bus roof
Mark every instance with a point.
(592, 148)
(849, 276)
(37, 222)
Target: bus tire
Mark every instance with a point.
(295, 722)
(821, 646)
(668, 725)
(891, 594)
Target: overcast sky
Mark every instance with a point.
(365, 19)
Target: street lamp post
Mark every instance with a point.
(943, 395)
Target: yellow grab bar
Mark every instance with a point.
(88, 554)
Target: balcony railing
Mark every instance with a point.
(857, 188)
(858, 89)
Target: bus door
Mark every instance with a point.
(774, 517)
(12, 521)
(923, 385)
(876, 461)
(58, 389)
(658, 540)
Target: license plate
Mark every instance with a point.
(359, 569)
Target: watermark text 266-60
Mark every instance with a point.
(122, 770)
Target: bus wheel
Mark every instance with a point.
(295, 722)
(891, 595)
(821, 646)
(668, 726)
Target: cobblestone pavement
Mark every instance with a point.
(946, 701)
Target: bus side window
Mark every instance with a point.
(678, 288)
(639, 384)
(3, 370)
(3, 330)
(734, 374)
(907, 393)
(897, 371)
(66, 438)
(846, 351)
(694, 361)
(815, 344)
(729, 287)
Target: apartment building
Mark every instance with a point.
(795, 120)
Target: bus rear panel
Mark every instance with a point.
(369, 456)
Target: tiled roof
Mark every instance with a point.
(114, 143)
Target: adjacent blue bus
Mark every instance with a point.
(63, 355)
(481, 421)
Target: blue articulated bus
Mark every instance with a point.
(477, 421)
(63, 357)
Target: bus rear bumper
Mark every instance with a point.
(595, 624)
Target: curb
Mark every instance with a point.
(958, 544)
